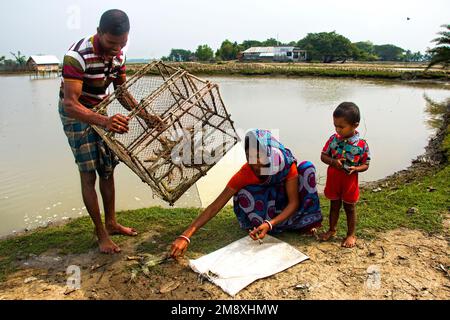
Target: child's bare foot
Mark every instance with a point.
(119, 229)
(349, 241)
(327, 235)
(106, 245)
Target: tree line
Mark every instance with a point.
(323, 46)
(18, 64)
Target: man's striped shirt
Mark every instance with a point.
(85, 62)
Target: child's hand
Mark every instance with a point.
(337, 163)
(352, 169)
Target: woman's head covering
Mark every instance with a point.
(260, 144)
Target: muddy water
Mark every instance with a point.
(39, 181)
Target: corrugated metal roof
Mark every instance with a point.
(268, 49)
(45, 59)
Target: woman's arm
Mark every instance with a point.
(179, 246)
(291, 208)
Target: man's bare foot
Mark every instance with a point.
(106, 245)
(327, 235)
(349, 242)
(119, 229)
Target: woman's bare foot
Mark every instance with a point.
(119, 229)
(349, 241)
(106, 245)
(311, 232)
(327, 235)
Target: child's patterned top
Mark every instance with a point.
(354, 149)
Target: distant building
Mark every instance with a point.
(43, 65)
(281, 54)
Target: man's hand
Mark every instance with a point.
(151, 120)
(179, 247)
(118, 123)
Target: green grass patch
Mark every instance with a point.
(303, 70)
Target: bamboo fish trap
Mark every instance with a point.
(178, 129)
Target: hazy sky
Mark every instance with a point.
(51, 26)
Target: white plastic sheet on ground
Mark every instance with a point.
(240, 263)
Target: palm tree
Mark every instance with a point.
(20, 59)
(441, 53)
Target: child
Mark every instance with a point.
(346, 155)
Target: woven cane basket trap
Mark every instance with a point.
(179, 128)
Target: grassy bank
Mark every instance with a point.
(353, 70)
(395, 71)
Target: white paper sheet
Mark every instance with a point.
(240, 263)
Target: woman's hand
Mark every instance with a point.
(179, 247)
(260, 232)
(289, 210)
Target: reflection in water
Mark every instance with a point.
(40, 182)
(436, 110)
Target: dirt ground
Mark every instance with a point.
(399, 264)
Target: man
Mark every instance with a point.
(89, 67)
